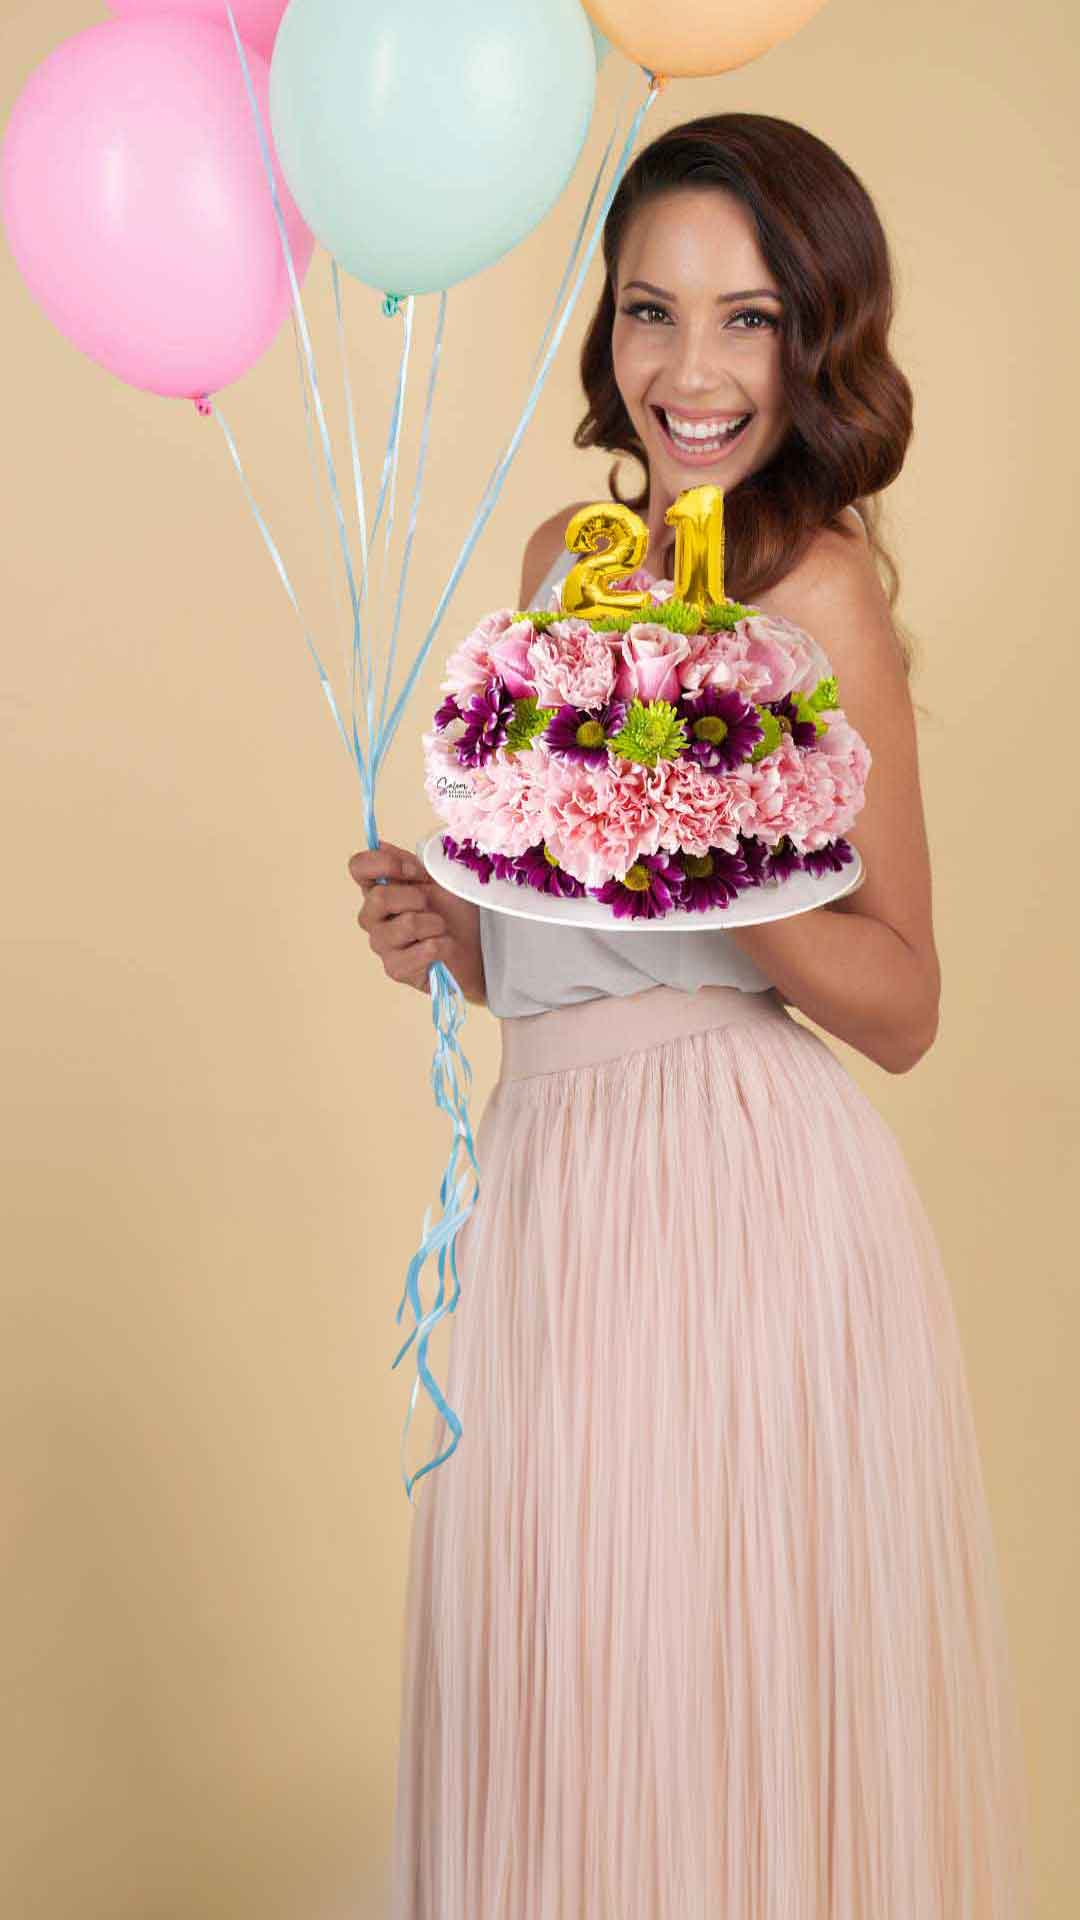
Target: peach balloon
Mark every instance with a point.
(694, 37)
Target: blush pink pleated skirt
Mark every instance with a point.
(704, 1618)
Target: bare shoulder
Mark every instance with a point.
(543, 548)
(835, 594)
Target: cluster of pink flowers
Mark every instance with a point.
(651, 768)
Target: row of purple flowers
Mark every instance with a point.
(658, 882)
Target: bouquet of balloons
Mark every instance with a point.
(165, 176)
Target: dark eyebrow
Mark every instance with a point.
(747, 293)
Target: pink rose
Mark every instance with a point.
(711, 660)
(571, 665)
(509, 655)
(642, 582)
(783, 657)
(648, 657)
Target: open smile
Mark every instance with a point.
(700, 442)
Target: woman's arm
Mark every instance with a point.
(866, 968)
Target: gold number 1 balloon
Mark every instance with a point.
(698, 518)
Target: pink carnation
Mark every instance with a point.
(844, 752)
(470, 668)
(571, 664)
(647, 661)
(507, 814)
(597, 819)
(778, 790)
(455, 792)
(701, 809)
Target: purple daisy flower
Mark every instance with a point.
(468, 855)
(581, 732)
(447, 712)
(829, 859)
(650, 888)
(784, 859)
(722, 728)
(803, 732)
(712, 879)
(487, 720)
(755, 857)
(536, 867)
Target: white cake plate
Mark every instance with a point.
(772, 900)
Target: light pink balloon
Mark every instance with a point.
(137, 206)
(257, 21)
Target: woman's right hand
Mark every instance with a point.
(411, 921)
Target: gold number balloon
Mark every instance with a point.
(613, 540)
(587, 588)
(698, 518)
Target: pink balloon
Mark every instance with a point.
(137, 206)
(257, 21)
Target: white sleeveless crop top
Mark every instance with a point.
(531, 965)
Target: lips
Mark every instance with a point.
(710, 453)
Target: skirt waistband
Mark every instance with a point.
(590, 1031)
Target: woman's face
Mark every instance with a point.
(696, 347)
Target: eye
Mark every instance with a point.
(756, 313)
(638, 307)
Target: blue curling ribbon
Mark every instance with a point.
(451, 1075)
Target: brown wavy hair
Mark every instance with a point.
(850, 404)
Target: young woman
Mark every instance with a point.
(704, 1615)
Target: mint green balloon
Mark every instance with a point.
(422, 139)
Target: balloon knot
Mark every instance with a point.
(391, 303)
(658, 80)
(202, 401)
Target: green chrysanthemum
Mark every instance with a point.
(650, 732)
(677, 615)
(538, 618)
(825, 694)
(529, 720)
(770, 739)
(619, 622)
(726, 613)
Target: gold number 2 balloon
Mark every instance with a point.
(587, 588)
(613, 540)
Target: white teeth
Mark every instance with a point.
(702, 431)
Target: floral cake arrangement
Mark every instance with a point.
(659, 754)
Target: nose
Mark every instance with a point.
(697, 368)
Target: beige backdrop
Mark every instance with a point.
(220, 1136)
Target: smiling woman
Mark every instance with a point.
(705, 1618)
